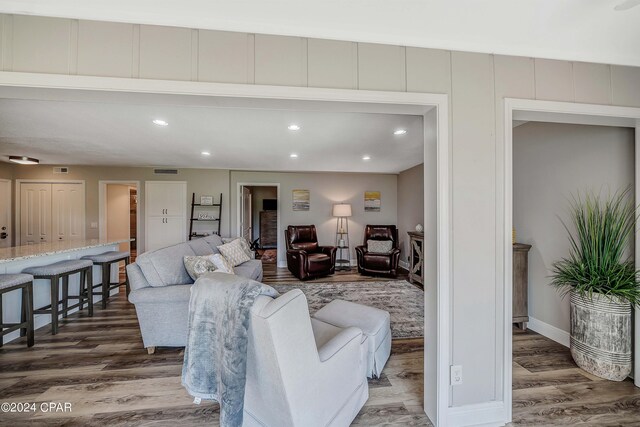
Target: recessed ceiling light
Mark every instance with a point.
(160, 122)
(23, 160)
(366, 157)
(293, 127)
(293, 155)
(399, 131)
(205, 153)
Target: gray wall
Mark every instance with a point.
(475, 83)
(326, 190)
(6, 170)
(552, 162)
(410, 205)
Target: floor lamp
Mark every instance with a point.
(342, 211)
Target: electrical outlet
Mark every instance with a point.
(94, 225)
(456, 374)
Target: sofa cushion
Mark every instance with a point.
(234, 252)
(201, 247)
(222, 264)
(214, 241)
(251, 269)
(198, 265)
(173, 294)
(165, 266)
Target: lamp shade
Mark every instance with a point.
(342, 210)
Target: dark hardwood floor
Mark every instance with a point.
(98, 365)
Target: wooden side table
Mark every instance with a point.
(416, 257)
(521, 284)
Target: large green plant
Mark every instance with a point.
(597, 262)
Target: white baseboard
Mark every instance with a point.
(404, 264)
(481, 414)
(549, 331)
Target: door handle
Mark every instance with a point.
(3, 235)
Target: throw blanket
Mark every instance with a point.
(215, 358)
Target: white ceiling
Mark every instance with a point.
(581, 30)
(108, 133)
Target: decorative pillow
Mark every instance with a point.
(234, 252)
(198, 265)
(221, 263)
(379, 246)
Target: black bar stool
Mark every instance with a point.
(13, 282)
(62, 270)
(105, 261)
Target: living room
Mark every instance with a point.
(465, 94)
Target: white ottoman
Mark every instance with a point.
(375, 325)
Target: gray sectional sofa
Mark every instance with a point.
(160, 290)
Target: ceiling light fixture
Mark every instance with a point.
(23, 160)
(160, 122)
(293, 155)
(400, 132)
(205, 153)
(366, 157)
(293, 127)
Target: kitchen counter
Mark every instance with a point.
(16, 259)
(18, 253)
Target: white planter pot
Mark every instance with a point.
(601, 336)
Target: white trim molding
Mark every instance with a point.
(562, 112)
(482, 414)
(549, 331)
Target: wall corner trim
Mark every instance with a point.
(549, 331)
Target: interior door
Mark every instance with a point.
(246, 223)
(5, 213)
(35, 213)
(67, 211)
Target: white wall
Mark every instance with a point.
(551, 163)
(410, 205)
(326, 190)
(118, 213)
(476, 84)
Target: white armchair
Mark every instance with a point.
(302, 372)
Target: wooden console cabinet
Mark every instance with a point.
(520, 284)
(416, 257)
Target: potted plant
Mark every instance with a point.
(601, 279)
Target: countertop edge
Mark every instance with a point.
(63, 251)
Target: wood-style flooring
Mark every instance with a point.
(99, 366)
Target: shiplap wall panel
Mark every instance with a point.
(165, 53)
(554, 80)
(428, 70)
(592, 83)
(332, 64)
(41, 44)
(381, 67)
(105, 49)
(625, 83)
(474, 258)
(280, 60)
(225, 57)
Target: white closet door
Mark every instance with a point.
(165, 213)
(35, 213)
(67, 216)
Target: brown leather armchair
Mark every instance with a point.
(305, 258)
(379, 264)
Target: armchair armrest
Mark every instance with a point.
(330, 251)
(361, 250)
(339, 342)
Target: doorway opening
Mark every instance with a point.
(6, 236)
(260, 219)
(554, 151)
(119, 214)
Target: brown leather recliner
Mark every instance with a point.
(379, 264)
(305, 257)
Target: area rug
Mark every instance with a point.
(403, 301)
